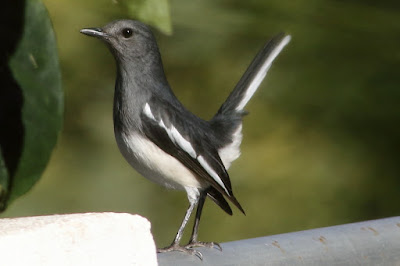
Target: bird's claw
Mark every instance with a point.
(189, 248)
(185, 249)
(193, 244)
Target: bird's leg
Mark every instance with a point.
(193, 242)
(175, 244)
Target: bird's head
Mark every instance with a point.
(126, 39)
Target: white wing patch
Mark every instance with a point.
(179, 140)
(147, 111)
(211, 172)
(173, 133)
(262, 73)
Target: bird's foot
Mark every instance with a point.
(185, 249)
(193, 244)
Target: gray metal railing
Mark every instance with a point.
(374, 242)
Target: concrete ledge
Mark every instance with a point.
(372, 243)
(77, 239)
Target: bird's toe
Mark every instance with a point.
(185, 249)
(193, 244)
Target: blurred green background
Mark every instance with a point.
(320, 144)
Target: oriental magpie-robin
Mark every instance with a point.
(165, 142)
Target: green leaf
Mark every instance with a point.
(152, 12)
(36, 69)
(3, 182)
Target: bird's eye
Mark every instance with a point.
(127, 33)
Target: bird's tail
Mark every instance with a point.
(253, 76)
(227, 122)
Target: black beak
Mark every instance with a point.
(94, 32)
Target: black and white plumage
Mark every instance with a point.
(160, 138)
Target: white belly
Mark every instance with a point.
(155, 164)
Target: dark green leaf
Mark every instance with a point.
(35, 67)
(3, 182)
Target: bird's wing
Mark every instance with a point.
(186, 138)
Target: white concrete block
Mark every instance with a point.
(77, 239)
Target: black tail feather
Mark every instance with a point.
(219, 199)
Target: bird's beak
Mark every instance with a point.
(94, 32)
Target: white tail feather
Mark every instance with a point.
(255, 83)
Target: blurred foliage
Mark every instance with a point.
(320, 144)
(152, 12)
(32, 100)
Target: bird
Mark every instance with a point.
(162, 139)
